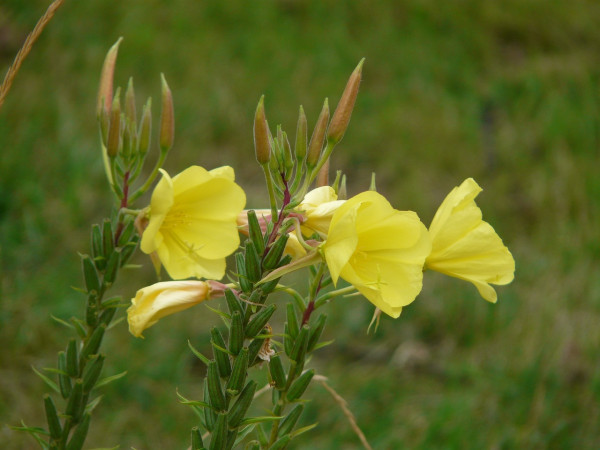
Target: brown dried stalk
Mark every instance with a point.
(344, 405)
(26, 48)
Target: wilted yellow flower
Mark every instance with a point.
(193, 222)
(466, 247)
(318, 206)
(378, 249)
(162, 299)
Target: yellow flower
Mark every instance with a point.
(193, 222)
(162, 299)
(318, 206)
(466, 247)
(379, 250)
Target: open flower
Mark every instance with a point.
(192, 223)
(466, 247)
(378, 249)
(162, 299)
(318, 208)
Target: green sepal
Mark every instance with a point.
(236, 333)
(233, 302)
(197, 443)
(277, 372)
(253, 350)
(287, 424)
(231, 438)
(90, 275)
(245, 284)
(219, 433)
(239, 372)
(299, 386)
(252, 261)
(107, 315)
(72, 359)
(259, 321)
(292, 321)
(315, 332)
(299, 349)
(112, 266)
(64, 382)
(73, 408)
(269, 286)
(128, 249)
(127, 233)
(92, 345)
(52, 418)
(91, 310)
(215, 390)
(209, 413)
(92, 373)
(241, 405)
(288, 343)
(271, 260)
(281, 443)
(255, 232)
(108, 241)
(221, 357)
(78, 438)
(79, 327)
(97, 248)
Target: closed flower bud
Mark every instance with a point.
(167, 117)
(145, 129)
(301, 136)
(114, 128)
(105, 91)
(130, 112)
(343, 111)
(262, 147)
(316, 141)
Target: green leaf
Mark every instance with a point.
(63, 322)
(323, 344)
(260, 419)
(92, 405)
(115, 323)
(185, 401)
(110, 379)
(223, 314)
(53, 370)
(199, 355)
(299, 431)
(47, 380)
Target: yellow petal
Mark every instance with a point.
(319, 205)
(162, 299)
(466, 247)
(160, 204)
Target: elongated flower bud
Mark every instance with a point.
(105, 91)
(130, 111)
(167, 117)
(316, 141)
(301, 139)
(323, 175)
(145, 129)
(343, 111)
(262, 147)
(114, 128)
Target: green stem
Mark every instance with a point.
(271, 190)
(150, 179)
(322, 300)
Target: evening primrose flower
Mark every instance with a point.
(162, 299)
(378, 249)
(192, 223)
(318, 207)
(466, 247)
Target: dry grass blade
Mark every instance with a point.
(344, 405)
(26, 48)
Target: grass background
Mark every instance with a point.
(506, 92)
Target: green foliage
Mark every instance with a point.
(498, 91)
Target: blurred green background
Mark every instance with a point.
(506, 92)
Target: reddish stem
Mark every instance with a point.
(282, 215)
